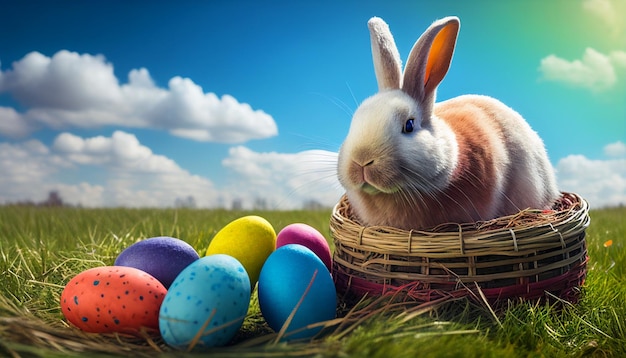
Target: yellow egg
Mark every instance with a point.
(249, 239)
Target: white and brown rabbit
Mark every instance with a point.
(413, 164)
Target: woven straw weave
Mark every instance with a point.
(519, 256)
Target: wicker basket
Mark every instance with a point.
(525, 256)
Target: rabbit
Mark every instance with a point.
(411, 164)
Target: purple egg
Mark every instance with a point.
(162, 257)
(306, 236)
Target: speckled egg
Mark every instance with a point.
(162, 257)
(284, 281)
(113, 299)
(249, 239)
(308, 236)
(206, 304)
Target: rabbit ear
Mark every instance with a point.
(430, 58)
(387, 62)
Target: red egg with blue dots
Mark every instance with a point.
(113, 299)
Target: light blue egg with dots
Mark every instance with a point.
(206, 304)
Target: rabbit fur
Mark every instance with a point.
(412, 164)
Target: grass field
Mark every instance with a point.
(42, 248)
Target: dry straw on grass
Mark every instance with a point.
(518, 256)
(23, 334)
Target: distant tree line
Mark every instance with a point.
(263, 204)
(54, 200)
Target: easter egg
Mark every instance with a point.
(308, 236)
(206, 304)
(162, 257)
(293, 277)
(113, 299)
(249, 239)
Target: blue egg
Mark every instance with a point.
(206, 304)
(283, 282)
(162, 257)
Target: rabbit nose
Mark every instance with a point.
(363, 157)
(356, 172)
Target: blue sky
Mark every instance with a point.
(141, 103)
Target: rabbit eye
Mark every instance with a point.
(409, 126)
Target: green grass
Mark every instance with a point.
(42, 248)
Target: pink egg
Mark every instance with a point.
(113, 299)
(307, 236)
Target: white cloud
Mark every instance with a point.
(285, 180)
(66, 81)
(122, 151)
(595, 70)
(129, 174)
(83, 193)
(25, 167)
(12, 124)
(73, 90)
(601, 182)
(132, 174)
(617, 149)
